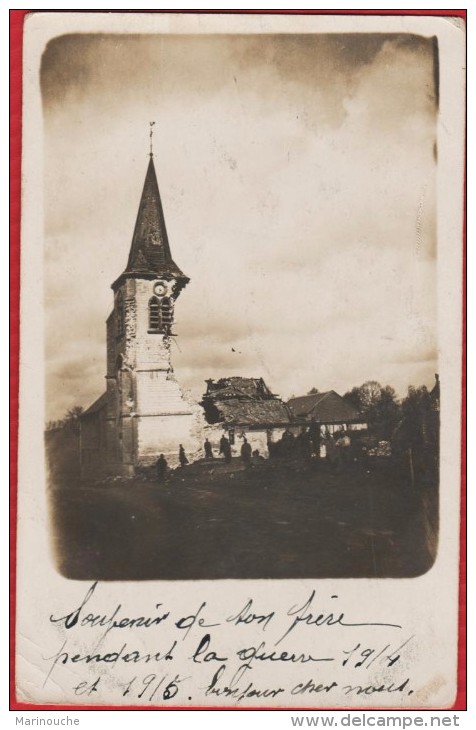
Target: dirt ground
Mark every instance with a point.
(212, 520)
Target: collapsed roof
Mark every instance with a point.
(238, 401)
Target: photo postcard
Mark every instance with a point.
(240, 360)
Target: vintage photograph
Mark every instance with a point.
(240, 297)
(239, 450)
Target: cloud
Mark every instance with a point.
(298, 181)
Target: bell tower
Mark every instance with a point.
(147, 413)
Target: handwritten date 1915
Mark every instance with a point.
(152, 687)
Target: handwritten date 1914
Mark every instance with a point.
(363, 657)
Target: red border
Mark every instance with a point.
(16, 57)
(17, 19)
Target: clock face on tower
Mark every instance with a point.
(161, 288)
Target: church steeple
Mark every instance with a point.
(144, 411)
(150, 255)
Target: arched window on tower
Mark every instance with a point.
(119, 316)
(154, 315)
(167, 314)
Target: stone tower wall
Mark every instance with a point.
(147, 410)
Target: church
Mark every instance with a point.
(143, 411)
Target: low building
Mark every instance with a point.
(328, 409)
(94, 434)
(244, 407)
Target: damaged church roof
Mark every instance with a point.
(238, 401)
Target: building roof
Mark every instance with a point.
(328, 407)
(150, 254)
(236, 387)
(236, 412)
(98, 405)
(238, 401)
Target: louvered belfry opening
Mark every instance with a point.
(154, 315)
(167, 314)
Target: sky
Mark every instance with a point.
(297, 175)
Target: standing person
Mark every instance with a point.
(303, 443)
(182, 456)
(315, 437)
(344, 446)
(334, 453)
(223, 443)
(323, 449)
(225, 449)
(288, 441)
(161, 467)
(208, 449)
(246, 452)
(327, 444)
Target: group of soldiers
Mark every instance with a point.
(161, 465)
(225, 451)
(309, 443)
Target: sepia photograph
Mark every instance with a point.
(239, 451)
(240, 259)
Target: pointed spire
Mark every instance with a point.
(150, 233)
(150, 254)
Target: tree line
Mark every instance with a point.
(413, 419)
(70, 420)
(411, 424)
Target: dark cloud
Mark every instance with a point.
(80, 65)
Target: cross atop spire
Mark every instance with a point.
(151, 134)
